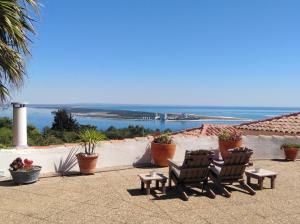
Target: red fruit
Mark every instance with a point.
(28, 162)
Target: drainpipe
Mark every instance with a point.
(19, 125)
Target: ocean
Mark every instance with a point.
(41, 117)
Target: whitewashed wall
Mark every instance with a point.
(137, 151)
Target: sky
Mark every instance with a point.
(174, 52)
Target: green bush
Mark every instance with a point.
(6, 137)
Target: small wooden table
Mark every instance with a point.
(260, 176)
(157, 177)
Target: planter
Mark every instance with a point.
(291, 153)
(224, 146)
(23, 176)
(87, 163)
(162, 152)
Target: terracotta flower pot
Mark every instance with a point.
(87, 163)
(224, 146)
(162, 152)
(291, 153)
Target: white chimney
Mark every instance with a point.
(19, 125)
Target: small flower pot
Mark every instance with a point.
(224, 146)
(87, 163)
(25, 176)
(291, 153)
(162, 152)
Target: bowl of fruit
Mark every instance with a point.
(23, 172)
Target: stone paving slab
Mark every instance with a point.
(115, 197)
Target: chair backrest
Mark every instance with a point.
(196, 165)
(235, 164)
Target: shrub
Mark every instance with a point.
(6, 137)
(64, 122)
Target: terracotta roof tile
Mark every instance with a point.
(207, 130)
(286, 124)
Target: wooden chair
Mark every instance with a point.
(231, 170)
(192, 172)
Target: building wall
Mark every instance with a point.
(137, 152)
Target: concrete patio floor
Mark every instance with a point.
(115, 197)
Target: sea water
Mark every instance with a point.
(41, 117)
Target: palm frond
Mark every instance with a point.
(15, 26)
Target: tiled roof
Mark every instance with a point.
(285, 124)
(207, 130)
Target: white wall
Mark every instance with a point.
(137, 151)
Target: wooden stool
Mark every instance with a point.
(146, 179)
(260, 176)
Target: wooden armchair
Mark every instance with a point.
(231, 170)
(192, 172)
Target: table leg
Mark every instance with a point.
(164, 187)
(248, 180)
(273, 182)
(157, 184)
(142, 185)
(148, 187)
(260, 183)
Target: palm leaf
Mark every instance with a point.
(15, 26)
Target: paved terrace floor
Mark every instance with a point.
(114, 197)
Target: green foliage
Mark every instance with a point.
(90, 138)
(64, 122)
(56, 137)
(5, 122)
(225, 135)
(288, 146)
(15, 27)
(130, 132)
(6, 137)
(163, 139)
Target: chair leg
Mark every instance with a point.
(182, 193)
(210, 192)
(170, 181)
(220, 186)
(247, 187)
(225, 191)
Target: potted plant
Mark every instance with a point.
(290, 151)
(23, 172)
(229, 140)
(87, 161)
(162, 149)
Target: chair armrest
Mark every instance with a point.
(174, 164)
(218, 163)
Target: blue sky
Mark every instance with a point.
(186, 52)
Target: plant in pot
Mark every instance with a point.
(23, 172)
(87, 161)
(162, 149)
(229, 140)
(290, 151)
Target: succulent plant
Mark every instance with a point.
(163, 139)
(295, 146)
(225, 135)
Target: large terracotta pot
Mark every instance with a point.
(224, 146)
(162, 152)
(87, 163)
(291, 153)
